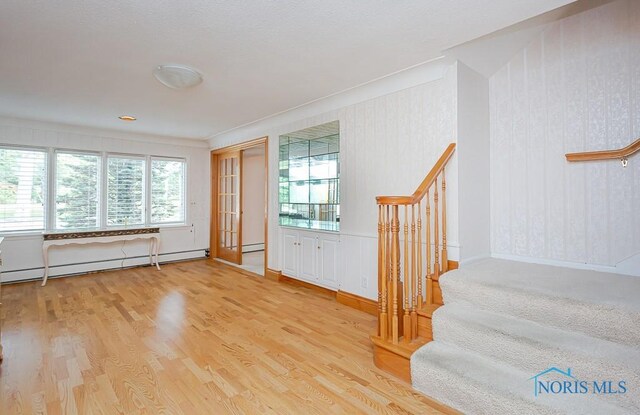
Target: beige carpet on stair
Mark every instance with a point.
(504, 322)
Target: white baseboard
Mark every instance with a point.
(252, 247)
(83, 268)
(474, 259)
(558, 263)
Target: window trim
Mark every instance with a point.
(49, 193)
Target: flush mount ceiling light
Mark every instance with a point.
(127, 118)
(177, 76)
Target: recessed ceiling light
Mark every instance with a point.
(177, 76)
(127, 118)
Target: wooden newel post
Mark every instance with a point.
(382, 259)
(380, 278)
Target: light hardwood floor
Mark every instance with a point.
(194, 338)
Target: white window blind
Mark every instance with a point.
(23, 180)
(167, 191)
(125, 191)
(77, 200)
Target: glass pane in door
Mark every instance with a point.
(229, 170)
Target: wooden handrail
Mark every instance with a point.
(620, 154)
(424, 186)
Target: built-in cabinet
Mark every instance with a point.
(311, 256)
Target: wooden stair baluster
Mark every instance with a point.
(445, 260)
(395, 225)
(406, 323)
(414, 293)
(436, 228)
(428, 232)
(420, 298)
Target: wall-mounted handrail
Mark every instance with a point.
(618, 154)
(424, 186)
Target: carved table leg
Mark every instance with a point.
(157, 246)
(152, 243)
(45, 256)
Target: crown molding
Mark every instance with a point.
(101, 132)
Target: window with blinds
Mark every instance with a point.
(23, 178)
(77, 193)
(167, 191)
(89, 189)
(125, 191)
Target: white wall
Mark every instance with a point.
(253, 198)
(473, 164)
(387, 145)
(574, 88)
(22, 254)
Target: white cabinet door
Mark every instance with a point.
(308, 248)
(328, 260)
(290, 254)
(311, 256)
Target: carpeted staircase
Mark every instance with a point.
(504, 322)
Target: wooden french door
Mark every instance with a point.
(229, 209)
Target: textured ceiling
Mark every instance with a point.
(87, 62)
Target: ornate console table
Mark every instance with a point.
(106, 236)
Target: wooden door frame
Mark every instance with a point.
(213, 240)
